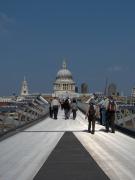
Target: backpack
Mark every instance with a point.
(74, 107)
(91, 110)
(111, 106)
(66, 105)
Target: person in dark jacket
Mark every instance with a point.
(111, 109)
(74, 108)
(66, 106)
(91, 114)
(50, 109)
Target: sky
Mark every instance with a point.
(96, 37)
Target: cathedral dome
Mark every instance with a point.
(64, 84)
(64, 73)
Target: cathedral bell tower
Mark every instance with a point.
(24, 88)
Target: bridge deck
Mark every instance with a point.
(70, 160)
(23, 154)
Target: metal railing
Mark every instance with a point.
(123, 121)
(24, 115)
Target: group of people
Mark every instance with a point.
(69, 106)
(104, 111)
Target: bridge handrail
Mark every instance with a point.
(5, 121)
(118, 122)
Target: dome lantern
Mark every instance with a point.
(64, 65)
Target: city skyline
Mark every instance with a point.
(97, 39)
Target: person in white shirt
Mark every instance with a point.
(103, 109)
(55, 105)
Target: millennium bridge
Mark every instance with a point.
(48, 149)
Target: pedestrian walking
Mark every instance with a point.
(50, 109)
(66, 106)
(111, 109)
(55, 104)
(90, 114)
(103, 110)
(74, 108)
(97, 113)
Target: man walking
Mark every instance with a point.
(91, 116)
(55, 104)
(74, 108)
(111, 109)
(66, 106)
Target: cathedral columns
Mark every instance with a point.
(64, 87)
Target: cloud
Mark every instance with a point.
(115, 69)
(5, 22)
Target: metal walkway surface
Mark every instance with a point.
(23, 155)
(70, 160)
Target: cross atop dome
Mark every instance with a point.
(64, 65)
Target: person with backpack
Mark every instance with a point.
(111, 109)
(91, 114)
(66, 107)
(74, 108)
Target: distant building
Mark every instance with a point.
(5, 99)
(76, 89)
(112, 90)
(24, 88)
(84, 88)
(122, 93)
(64, 85)
(133, 92)
(99, 94)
